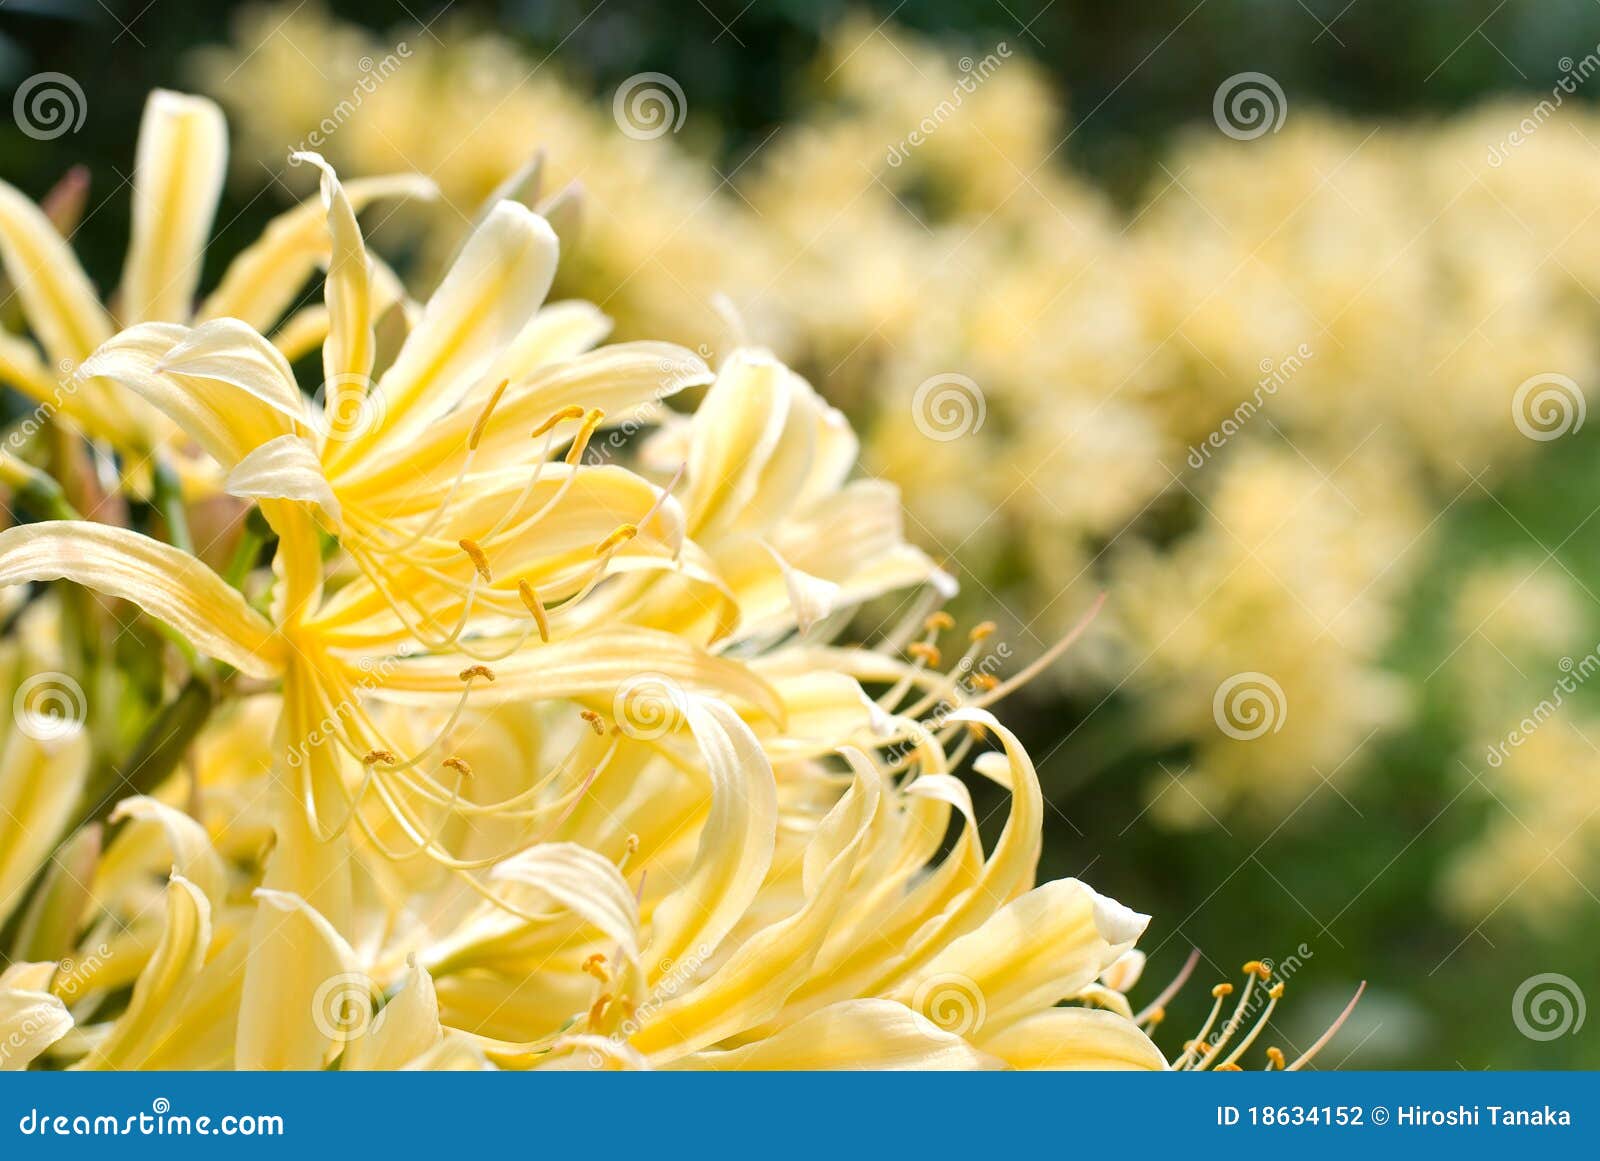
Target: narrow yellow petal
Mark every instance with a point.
(177, 180)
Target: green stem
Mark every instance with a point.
(167, 496)
(165, 741)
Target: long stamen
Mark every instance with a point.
(1305, 1057)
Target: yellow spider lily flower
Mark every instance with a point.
(177, 181)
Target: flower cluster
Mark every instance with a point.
(383, 725)
(1223, 403)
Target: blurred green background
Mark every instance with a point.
(1351, 876)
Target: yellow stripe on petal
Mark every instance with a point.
(168, 584)
(488, 296)
(177, 180)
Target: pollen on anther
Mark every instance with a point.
(595, 966)
(595, 722)
(571, 411)
(535, 606)
(922, 651)
(375, 756)
(472, 671)
(1222, 990)
(459, 765)
(1275, 992)
(479, 560)
(981, 630)
(985, 681)
(1256, 968)
(1275, 1056)
(623, 534)
(939, 621)
(483, 416)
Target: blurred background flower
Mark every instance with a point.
(1283, 334)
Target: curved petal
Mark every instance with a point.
(1041, 948)
(30, 1019)
(304, 996)
(1075, 1039)
(147, 1024)
(736, 843)
(407, 1029)
(488, 296)
(170, 585)
(880, 1035)
(61, 304)
(349, 349)
(261, 283)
